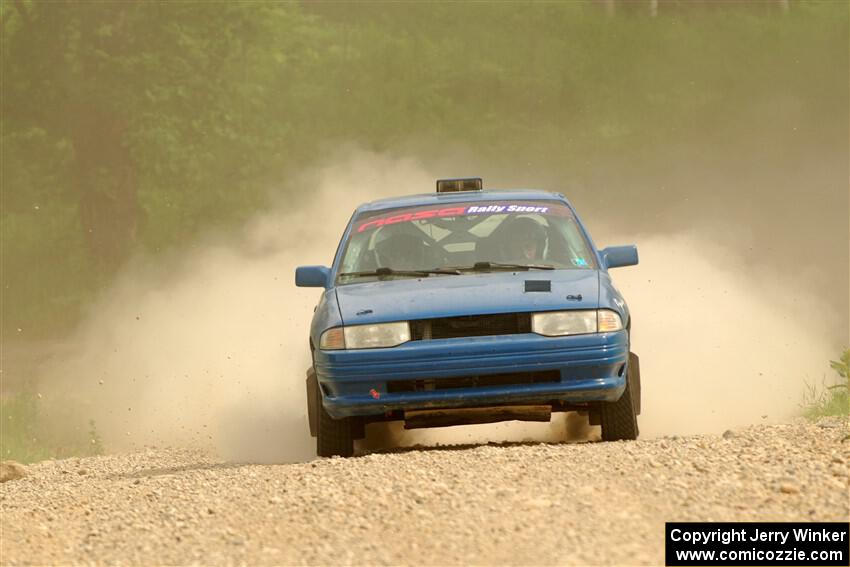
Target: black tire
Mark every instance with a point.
(333, 436)
(634, 380)
(619, 419)
(312, 410)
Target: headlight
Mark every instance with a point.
(375, 336)
(560, 323)
(332, 339)
(609, 321)
(365, 336)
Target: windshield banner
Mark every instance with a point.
(465, 209)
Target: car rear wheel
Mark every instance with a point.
(619, 419)
(333, 436)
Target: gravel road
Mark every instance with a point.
(577, 503)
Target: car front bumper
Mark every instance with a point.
(591, 367)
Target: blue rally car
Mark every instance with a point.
(468, 306)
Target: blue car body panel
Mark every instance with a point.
(326, 316)
(474, 294)
(590, 367)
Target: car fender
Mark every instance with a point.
(326, 316)
(611, 298)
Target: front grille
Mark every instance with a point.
(455, 382)
(470, 326)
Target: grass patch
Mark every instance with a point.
(830, 399)
(24, 438)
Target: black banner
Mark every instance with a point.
(757, 543)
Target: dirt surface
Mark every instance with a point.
(578, 503)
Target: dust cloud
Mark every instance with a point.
(208, 347)
(720, 345)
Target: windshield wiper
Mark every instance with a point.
(384, 271)
(489, 266)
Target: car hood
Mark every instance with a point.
(475, 294)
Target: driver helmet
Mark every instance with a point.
(399, 251)
(528, 238)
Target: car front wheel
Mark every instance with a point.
(619, 419)
(333, 436)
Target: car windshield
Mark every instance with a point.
(458, 238)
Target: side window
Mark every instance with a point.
(353, 254)
(577, 251)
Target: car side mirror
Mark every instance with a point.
(619, 256)
(312, 276)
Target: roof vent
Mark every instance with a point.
(463, 184)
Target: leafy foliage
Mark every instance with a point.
(132, 126)
(831, 399)
(842, 366)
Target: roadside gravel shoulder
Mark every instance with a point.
(578, 503)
